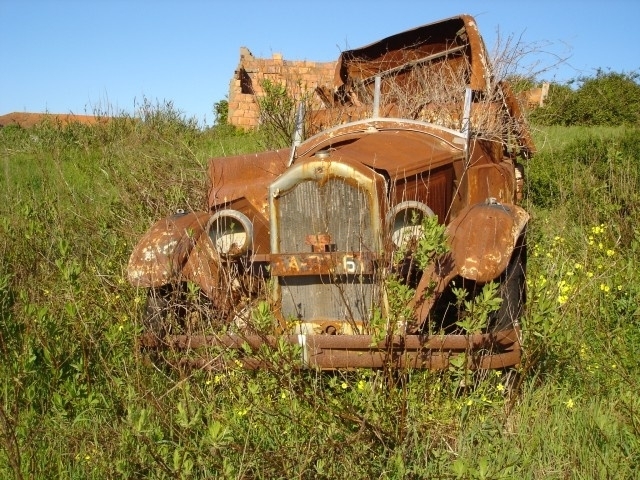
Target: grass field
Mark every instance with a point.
(77, 400)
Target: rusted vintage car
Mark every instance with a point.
(319, 240)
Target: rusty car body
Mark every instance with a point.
(414, 127)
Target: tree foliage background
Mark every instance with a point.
(607, 98)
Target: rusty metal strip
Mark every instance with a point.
(410, 360)
(329, 352)
(331, 263)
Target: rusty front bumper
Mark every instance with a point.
(333, 352)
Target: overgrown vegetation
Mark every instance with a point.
(606, 99)
(279, 105)
(78, 399)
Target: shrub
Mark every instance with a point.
(221, 111)
(608, 98)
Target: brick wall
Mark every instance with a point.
(300, 76)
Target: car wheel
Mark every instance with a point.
(512, 291)
(163, 310)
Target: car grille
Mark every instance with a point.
(340, 210)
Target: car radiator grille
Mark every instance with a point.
(342, 211)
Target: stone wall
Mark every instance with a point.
(300, 76)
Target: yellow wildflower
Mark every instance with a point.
(583, 352)
(563, 287)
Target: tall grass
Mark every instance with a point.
(78, 399)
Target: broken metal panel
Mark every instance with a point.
(161, 253)
(346, 301)
(455, 42)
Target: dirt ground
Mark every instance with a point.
(27, 120)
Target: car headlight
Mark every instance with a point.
(231, 233)
(405, 222)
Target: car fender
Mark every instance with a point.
(482, 238)
(163, 252)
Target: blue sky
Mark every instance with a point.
(83, 56)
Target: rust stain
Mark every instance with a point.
(483, 239)
(161, 253)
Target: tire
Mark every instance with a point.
(162, 312)
(512, 291)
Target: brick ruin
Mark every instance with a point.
(300, 77)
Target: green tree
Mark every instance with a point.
(608, 98)
(557, 106)
(221, 111)
(277, 114)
